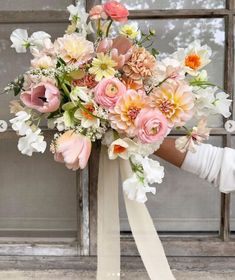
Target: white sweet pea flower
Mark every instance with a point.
(32, 142)
(136, 190)
(19, 122)
(209, 101)
(20, 40)
(80, 93)
(38, 39)
(222, 104)
(122, 148)
(152, 170)
(194, 57)
(60, 124)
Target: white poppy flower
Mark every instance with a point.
(194, 57)
(32, 142)
(136, 190)
(19, 122)
(20, 40)
(122, 148)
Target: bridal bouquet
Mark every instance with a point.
(116, 89)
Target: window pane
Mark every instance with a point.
(10, 5)
(183, 201)
(233, 199)
(173, 4)
(179, 33)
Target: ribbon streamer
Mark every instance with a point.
(142, 227)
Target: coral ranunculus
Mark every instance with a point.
(108, 91)
(73, 149)
(116, 11)
(43, 97)
(151, 125)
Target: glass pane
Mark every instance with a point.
(178, 33)
(183, 201)
(173, 4)
(10, 5)
(36, 194)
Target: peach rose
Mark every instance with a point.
(44, 97)
(108, 91)
(116, 11)
(97, 12)
(151, 125)
(73, 149)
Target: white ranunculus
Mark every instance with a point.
(32, 142)
(136, 190)
(19, 122)
(20, 40)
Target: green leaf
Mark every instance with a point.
(68, 106)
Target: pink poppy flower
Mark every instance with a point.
(73, 149)
(44, 97)
(151, 125)
(116, 11)
(108, 91)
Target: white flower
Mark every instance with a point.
(19, 122)
(80, 93)
(153, 172)
(130, 30)
(202, 76)
(60, 124)
(195, 137)
(209, 101)
(194, 57)
(87, 115)
(222, 104)
(20, 40)
(122, 148)
(136, 190)
(38, 39)
(32, 142)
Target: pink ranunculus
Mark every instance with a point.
(108, 91)
(97, 12)
(151, 125)
(116, 11)
(73, 149)
(43, 97)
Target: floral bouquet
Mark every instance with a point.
(116, 89)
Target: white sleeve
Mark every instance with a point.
(216, 165)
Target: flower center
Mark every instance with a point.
(133, 112)
(167, 107)
(117, 149)
(155, 129)
(90, 108)
(103, 66)
(111, 90)
(193, 61)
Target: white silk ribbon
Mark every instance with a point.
(142, 227)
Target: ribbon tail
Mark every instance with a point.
(108, 231)
(146, 238)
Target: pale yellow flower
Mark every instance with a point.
(130, 30)
(102, 67)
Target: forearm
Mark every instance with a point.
(169, 153)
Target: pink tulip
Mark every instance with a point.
(73, 149)
(151, 125)
(116, 11)
(44, 97)
(108, 91)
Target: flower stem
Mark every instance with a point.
(108, 28)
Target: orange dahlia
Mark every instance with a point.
(123, 115)
(175, 101)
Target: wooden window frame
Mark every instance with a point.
(85, 243)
